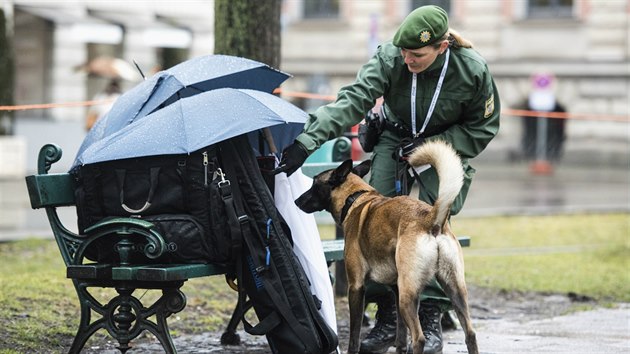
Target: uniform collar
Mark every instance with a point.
(436, 66)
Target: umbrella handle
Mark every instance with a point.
(269, 139)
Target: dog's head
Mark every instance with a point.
(319, 196)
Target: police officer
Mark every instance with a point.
(434, 86)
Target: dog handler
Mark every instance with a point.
(434, 86)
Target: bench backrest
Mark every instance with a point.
(50, 190)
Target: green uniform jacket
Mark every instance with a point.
(466, 114)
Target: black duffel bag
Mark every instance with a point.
(178, 193)
(267, 270)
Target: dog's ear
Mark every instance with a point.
(363, 168)
(339, 175)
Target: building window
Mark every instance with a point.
(550, 8)
(445, 4)
(321, 9)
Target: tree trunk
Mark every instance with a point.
(248, 28)
(6, 77)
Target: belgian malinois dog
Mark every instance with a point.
(398, 241)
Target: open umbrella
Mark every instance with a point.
(184, 80)
(193, 122)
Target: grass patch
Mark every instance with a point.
(39, 310)
(584, 254)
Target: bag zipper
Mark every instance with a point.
(205, 168)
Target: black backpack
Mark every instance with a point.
(268, 272)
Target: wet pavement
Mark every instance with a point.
(602, 330)
(597, 331)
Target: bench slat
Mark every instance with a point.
(315, 168)
(89, 271)
(333, 249)
(51, 190)
(166, 272)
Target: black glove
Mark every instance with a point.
(370, 131)
(375, 121)
(406, 147)
(293, 157)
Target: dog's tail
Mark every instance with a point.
(448, 165)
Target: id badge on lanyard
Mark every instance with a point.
(436, 94)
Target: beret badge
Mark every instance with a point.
(425, 36)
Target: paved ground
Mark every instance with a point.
(518, 325)
(597, 331)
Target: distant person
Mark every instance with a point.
(554, 131)
(112, 92)
(434, 87)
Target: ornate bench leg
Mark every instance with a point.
(172, 301)
(122, 321)
(125, 317)
(86, 328)
(133, 318)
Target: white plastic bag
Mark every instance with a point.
(307, 244)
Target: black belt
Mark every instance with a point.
(397, 128)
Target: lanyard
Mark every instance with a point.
(414, 84)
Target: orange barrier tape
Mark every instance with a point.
(313, 96)
(566, 115)
(507, 111)
(53, 105)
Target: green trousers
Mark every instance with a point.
(383, 179)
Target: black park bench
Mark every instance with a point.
(124, 315)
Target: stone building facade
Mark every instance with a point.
(583, 44)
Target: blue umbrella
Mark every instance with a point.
(184, 80)
(192, 123)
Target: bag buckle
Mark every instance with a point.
(243, 219)
(223, 181)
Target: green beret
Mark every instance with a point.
(423, 26)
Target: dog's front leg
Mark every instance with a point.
(356, 303)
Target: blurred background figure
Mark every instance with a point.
(543, 138)
(112, 71)
(111, 93)
(109, 67)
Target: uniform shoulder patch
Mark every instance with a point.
(489, 107)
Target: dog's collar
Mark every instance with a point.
(349, 201)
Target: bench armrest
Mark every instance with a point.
(127, 235)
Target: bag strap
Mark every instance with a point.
(240, 231)
(236, 219)
(154, 172)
